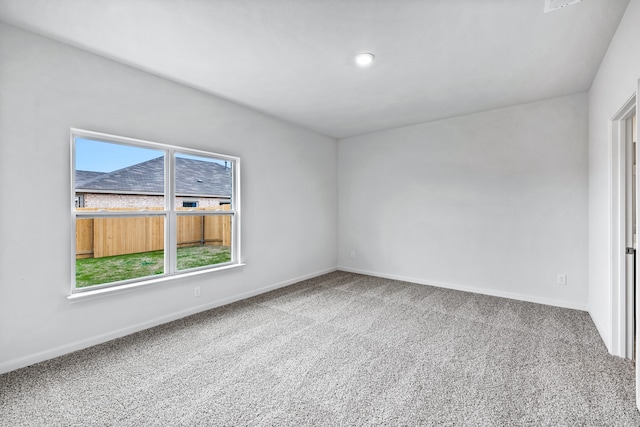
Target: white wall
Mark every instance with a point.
(615, 82)
(289, 193)
(494, 202)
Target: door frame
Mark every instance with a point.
(637, 298)
(621, 312)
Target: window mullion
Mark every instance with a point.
(170, 229)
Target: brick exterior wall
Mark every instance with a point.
(110, 201)
(203, 202)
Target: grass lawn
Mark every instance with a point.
(95, 271)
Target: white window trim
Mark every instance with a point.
(110, 290)
(169, 213)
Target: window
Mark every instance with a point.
(143, 210)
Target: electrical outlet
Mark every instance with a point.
(562, 279)
(352, 255)
(196, 291)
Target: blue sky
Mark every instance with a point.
(100, 156)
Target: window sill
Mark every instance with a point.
(88, 295)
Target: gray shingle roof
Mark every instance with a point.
(86, 176)
(193, 177)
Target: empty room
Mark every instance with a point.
(319, 213)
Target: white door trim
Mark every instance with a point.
(619, 310)
(637, 298)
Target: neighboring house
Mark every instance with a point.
(198, 184)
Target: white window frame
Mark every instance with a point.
(169, 213)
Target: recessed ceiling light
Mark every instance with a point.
(364, 59)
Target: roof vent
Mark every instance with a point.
(551, 5)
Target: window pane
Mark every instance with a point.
(202, 183)
(118, 177)
(114, 249)
(203, 240)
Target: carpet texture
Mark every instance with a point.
(339, 350)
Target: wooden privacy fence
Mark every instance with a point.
(101, 237)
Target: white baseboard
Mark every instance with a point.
(21, 362)
(473, 289)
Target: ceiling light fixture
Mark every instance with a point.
(551, 5)
(364, 59)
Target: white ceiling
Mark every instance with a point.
(294, 58)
